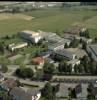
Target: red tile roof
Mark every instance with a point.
(38, 60)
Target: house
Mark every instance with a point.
(65, 54)
(73, 63)
(18, 93)
(38, 61)
(32, 36)
(13, 46)
(8, 84)
(92, 49)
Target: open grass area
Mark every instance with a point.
(51, 19)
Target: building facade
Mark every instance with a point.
(34, 37)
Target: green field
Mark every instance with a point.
(51, 19)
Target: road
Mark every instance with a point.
(63, 79)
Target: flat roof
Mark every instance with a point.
(64, 52)
(29, 32)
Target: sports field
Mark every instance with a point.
(51, 19)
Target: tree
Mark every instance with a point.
(39, 74)
(48, 68)
(80, 68)
(72, 93)
(62, 66)
(87, 34)
(4, 68)
(69, 68)
(84, 45)
(74, 43)
(2, 47)
(25, 72)
(4, 96)
(47, 92)
(76, 68)
(65, 46)
(90, 95)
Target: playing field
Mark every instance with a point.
(53, 19)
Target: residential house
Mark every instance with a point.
(73, 63)
(18, 93)
(92, 49)
(32, 36)
(13, 46)
(38, 61)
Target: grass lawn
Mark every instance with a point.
(19, 60)
(52, 19)
(93, 33)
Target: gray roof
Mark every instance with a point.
(65, 53)
(55, 45)
(93, 48)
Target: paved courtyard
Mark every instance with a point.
(79, 52)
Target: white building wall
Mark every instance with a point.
(32, 38)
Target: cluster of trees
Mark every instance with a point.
(86, 66)
(72, 93)
(4, 96)
(85, 34)
(90, 95)
(25, 73)
(64, 67)
(49, 91)
(73, 44)
(48, 70)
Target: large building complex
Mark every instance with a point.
(55, 42)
